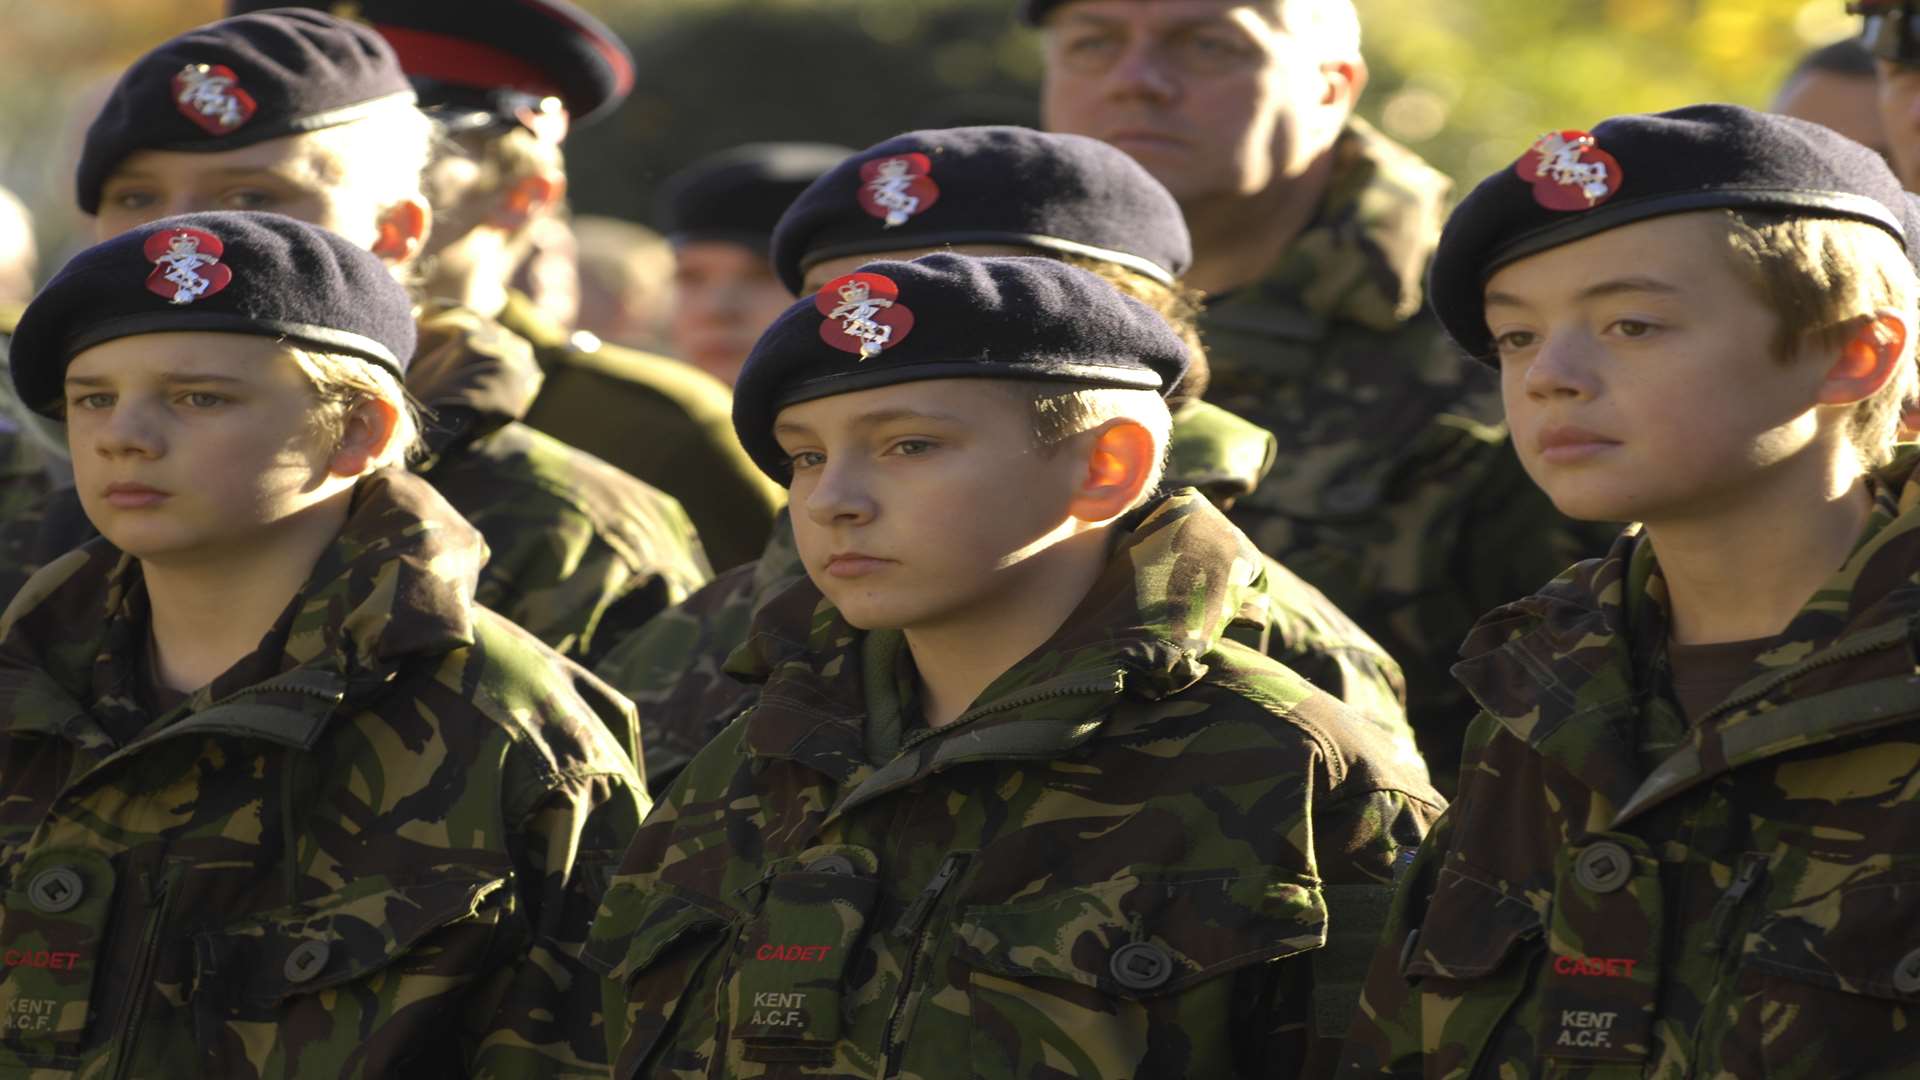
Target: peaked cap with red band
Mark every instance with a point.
(1569, 185)
(235, 273)
(950, 317)
(1013, 186)
(238, 82)
(460, 52)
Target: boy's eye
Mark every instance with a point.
(247, 199)
(911, 447)
(1513, 341)
(1633, 328)
(133, 200)
(201, 399)
(806, 459)
(92, 401)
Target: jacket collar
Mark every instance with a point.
(396, 584)
(473, 375)
(1558, 670)
(1176, 580)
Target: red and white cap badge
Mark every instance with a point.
(186, 264)
(896, 188)
(210, 96)
(1569, 171)
(864, 314)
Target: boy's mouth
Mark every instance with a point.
(124, 495)
(853, 564)
(1566, 443)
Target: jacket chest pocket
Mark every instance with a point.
(1831, 987)
(51, 935)
(349, 983)
(655, 945)
(1099, 976)
(1471, 960)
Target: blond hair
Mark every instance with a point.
(1059, 411)
(1824, 278)
(385, 152)
(1176, 303)
(503, 158)
(343, 383)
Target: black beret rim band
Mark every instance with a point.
(1613, 215)
(815, 256)
(882, 375)
(162, 322)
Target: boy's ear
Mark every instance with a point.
(369, 428)
(524, 200)
(403, 229)
(1120, 457)
(1868, 358)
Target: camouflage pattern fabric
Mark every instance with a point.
(371, 847)
(1619, 894)
(668, 423)
(1124, 860)
(580, 553)
(675, 667)
(1397, 493)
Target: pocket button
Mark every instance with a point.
(831, 864)
(307, 960)
(1141, 965)
(1603, 867)
(1906, 974)
(56, 890)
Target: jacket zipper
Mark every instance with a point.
(1813, 664)
(157, 900)
(1109, 683)
(910, 927)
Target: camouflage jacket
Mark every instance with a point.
(1618, 894)
(1398, 495)
(665, 422)
(1124, 860)
(580, 553)
(373, 844)
(675, 670)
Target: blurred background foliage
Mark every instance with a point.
(1468, 83)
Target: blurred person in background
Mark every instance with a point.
(626, 282)
(32, 459)
(1835, 85)
(550, 274)
(505, 80)
(1396, 492)
(719, 214)
(301, 113)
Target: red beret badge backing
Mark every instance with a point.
(187, 265)
(1569, 171)
(210, 96)
(864, 314)
(896, 188)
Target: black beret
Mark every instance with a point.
(1572, 184)
(459, 54)
(227, 271)
(739, 194)
(1066, 194)
(950, 317)
(238, 82)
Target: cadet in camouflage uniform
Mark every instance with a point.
(1139, 849)
(526, 71)
(1396, 493)
(372, 840)
(986, 190)
(579, 553)
(1686, 833)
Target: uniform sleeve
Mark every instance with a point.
(544, 1017)
(1386, 1037)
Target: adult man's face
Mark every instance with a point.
(1214, 97)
